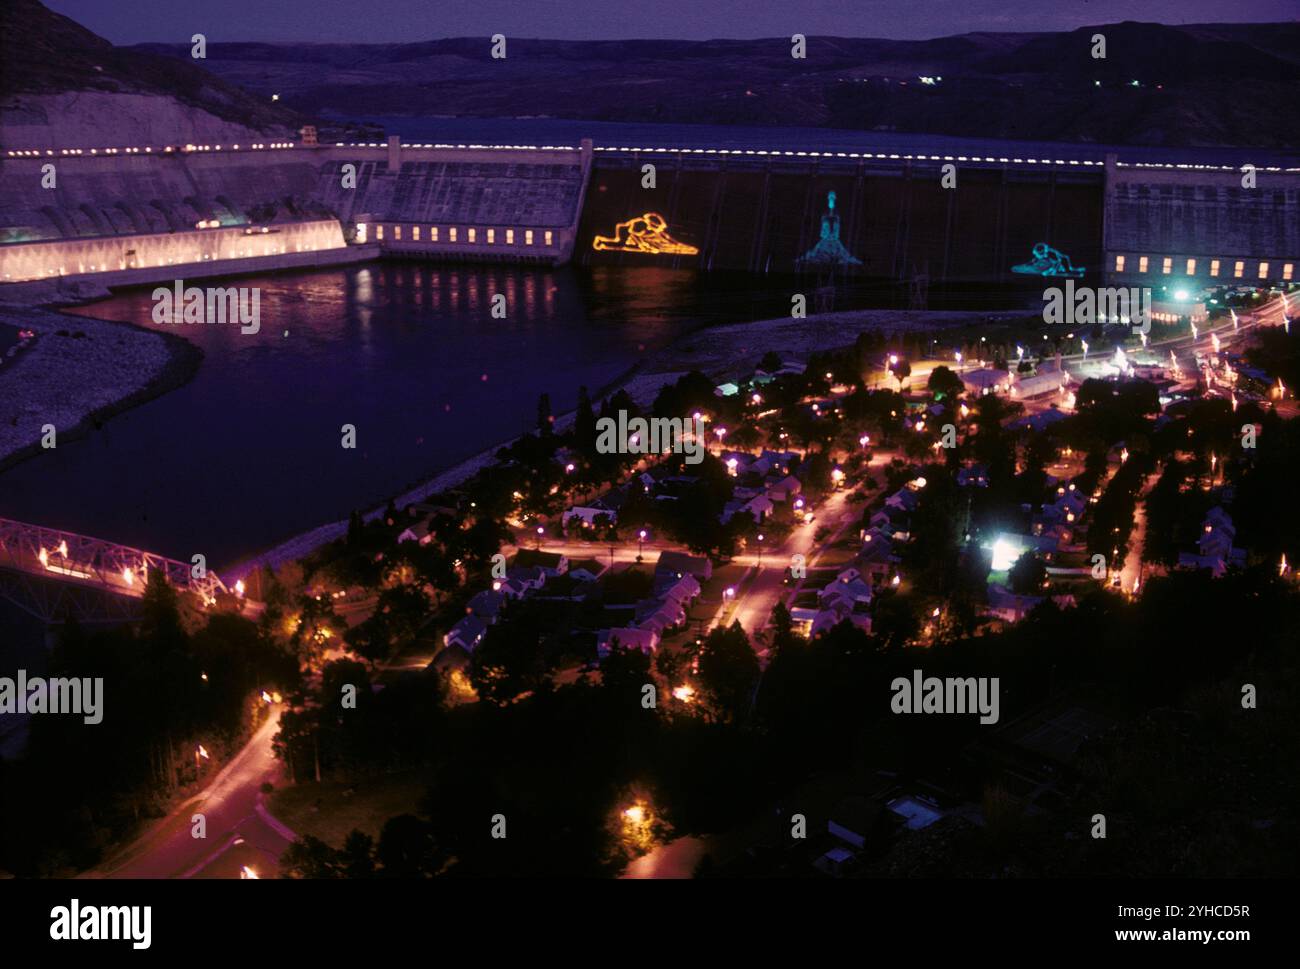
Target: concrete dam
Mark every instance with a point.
(72, 218)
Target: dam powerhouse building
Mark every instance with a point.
(76, 220)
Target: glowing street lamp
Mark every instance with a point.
(640, 544)
(540, 532)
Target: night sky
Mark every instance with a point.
(387, 21)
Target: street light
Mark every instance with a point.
(760, 550)
(640, 544)
(540, 532)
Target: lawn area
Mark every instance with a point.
(329, 812)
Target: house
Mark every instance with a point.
(466, 634)
(1214, 548)
(877, 558)
(784, 488)
(738, 462)
(1026, 388)
(853, 820)
(420, 532)
(836, 862)
(486, 605)
(803, 614)
(985, 381)
(646, 640)
(588, 515)
(529, 577)
(1039, 421)
(565, 588)
(513, 588)
(551, 563)
(683, 590)
(836, 611)
(421, 509)
(848, 588)
(905, 498)
(586, 570)
(1068, 506)
(1008, 606)
(679, 563)
(660, 616)
(757, 508)
(892, 521)
(916, 811)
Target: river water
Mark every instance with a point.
(249, 453)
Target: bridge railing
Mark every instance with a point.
(68, 556)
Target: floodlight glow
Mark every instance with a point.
(1005, 553)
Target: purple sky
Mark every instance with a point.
(134, 21)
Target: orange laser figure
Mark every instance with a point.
(645, 233)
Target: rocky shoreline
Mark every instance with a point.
(78, 373)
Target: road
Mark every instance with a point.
(240, 832)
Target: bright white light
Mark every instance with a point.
(1005, 553)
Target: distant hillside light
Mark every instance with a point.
(276, 97)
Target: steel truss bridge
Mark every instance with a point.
(54, 575)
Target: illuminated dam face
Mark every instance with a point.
(133, 217)
(895, 218)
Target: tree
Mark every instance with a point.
(818, 475)
(508, 661)
(771, 362)
(544, 416)
(944, 383)
(902, 370)
(1027, 574)
(623, 673)
(584, 425)
(309, 857)
(728, 670)
(357, 857)
(407, 849)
